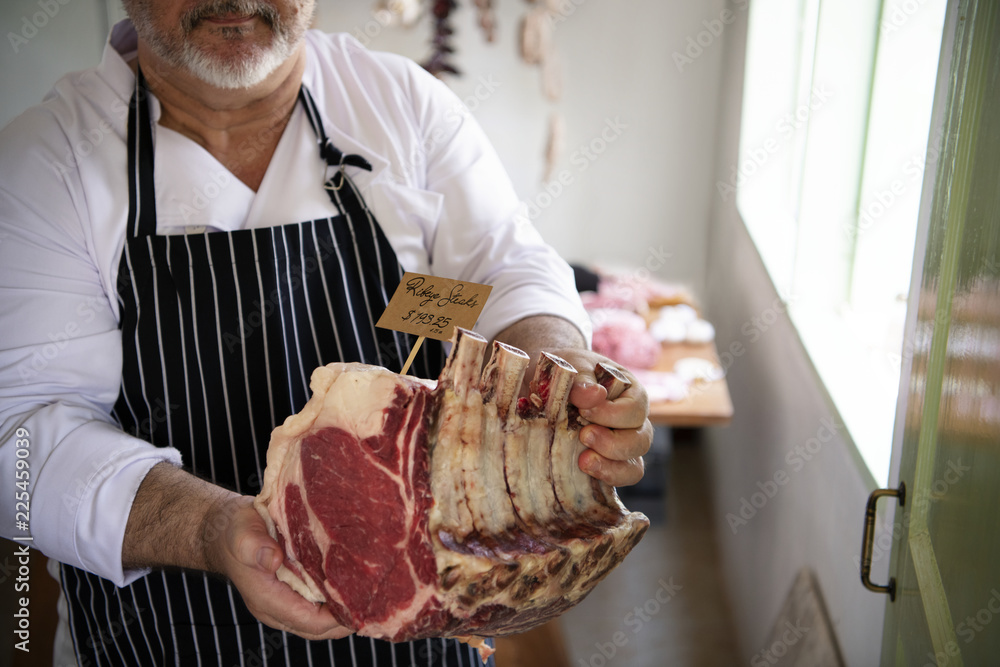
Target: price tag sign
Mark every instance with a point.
(431, 307)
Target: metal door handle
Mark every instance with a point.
(869, 538)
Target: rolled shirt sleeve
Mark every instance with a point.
(60, 364)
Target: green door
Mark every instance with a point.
(946, 555)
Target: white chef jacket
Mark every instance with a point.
(437, 189)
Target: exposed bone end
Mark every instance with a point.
(503, 376)
(478, 643)
(551, 386)
(611, 379)
(461, 372)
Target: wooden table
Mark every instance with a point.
(707, 403)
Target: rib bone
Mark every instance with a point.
(500, 385)
(528, 461)
(473, 514)
(456, 483)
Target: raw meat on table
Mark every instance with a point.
(622, 336)
(416, 509)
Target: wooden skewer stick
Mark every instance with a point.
(413, 355)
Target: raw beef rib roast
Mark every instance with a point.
(416, 508)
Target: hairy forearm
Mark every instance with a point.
(542, 332)
(174, 519)
(180, 521)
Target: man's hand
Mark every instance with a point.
(619, 433)
(179, 520)
(245, 553)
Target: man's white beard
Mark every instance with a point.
(255, 64)
(234, 74)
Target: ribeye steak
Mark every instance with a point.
(415, 508)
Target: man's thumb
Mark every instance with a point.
(268, 559)
(258, 549)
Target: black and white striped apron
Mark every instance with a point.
(220, 333)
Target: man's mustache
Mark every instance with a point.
(257, 8)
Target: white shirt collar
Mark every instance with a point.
(292, 187)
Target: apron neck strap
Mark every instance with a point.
(142, 192)
(334, 156)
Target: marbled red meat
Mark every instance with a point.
(416, 508)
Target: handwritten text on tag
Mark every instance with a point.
(431, 306)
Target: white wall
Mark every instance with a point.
(41, 41)
(815, 516)
(651, 187)
(647, 193)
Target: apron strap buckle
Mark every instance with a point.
(335, 158)
(336, 181)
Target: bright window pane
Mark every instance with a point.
(767, 177)
(833, 198)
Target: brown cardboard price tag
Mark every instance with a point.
(431, 307)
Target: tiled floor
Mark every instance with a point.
(665, 606)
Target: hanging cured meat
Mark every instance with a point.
(439, 61)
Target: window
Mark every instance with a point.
(833, 145)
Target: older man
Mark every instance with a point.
(190, 228)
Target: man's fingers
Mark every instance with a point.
(338, 633)
(628, 411)
(306, 629)
(619, 444)
(275, 604)
(615, 456)
(250, 557)
(614, 473)
(268, 559)
(298, 615)
(587, 395)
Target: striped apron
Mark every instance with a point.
(220, 333)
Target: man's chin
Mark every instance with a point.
(231, 54)
(230, 48)
(232, 70)
(227, 52)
